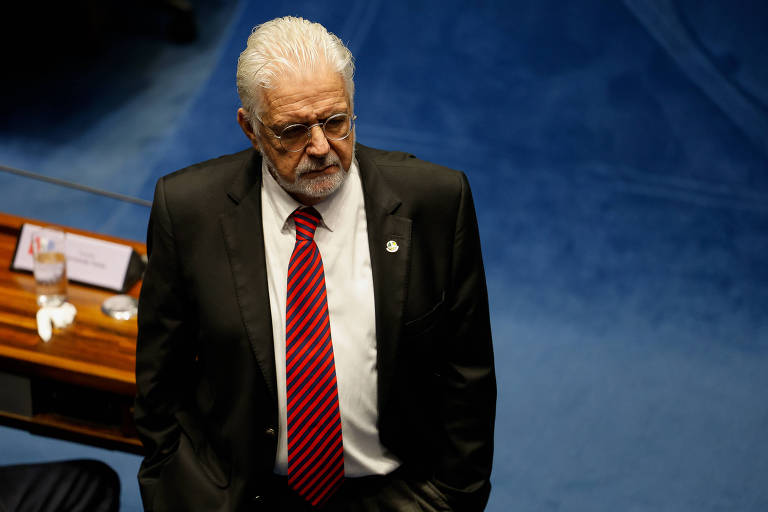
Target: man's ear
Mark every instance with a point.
(243, 119)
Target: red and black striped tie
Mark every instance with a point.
(315, 448)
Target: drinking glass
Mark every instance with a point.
(50, 270)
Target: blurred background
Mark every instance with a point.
(618, 155)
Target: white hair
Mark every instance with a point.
(284, 46)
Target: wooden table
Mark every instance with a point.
(79, 385)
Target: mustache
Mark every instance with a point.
(314, 164)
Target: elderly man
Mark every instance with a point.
(313, 324)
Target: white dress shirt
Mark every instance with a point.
(342, 238)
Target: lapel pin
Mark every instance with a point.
(392, 246)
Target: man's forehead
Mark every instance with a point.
(305, 96)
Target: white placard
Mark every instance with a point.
(89, 260)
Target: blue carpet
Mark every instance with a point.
(618, 156)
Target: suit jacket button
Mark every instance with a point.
(270, 432)
(257, 499)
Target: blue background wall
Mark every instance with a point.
(618, 154)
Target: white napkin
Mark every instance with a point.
(49, 317)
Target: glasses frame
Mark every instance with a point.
(309, 130)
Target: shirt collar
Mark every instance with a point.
(330, 209)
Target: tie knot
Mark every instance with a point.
(306, 221)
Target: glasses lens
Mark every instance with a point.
(294, 137)
(337, 127)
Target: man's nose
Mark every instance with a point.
(318, 144)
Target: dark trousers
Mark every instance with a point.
(68, 486)
(396, 492)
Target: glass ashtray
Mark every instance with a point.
(120, 307)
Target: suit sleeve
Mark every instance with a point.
(466, 376)
(164, 357)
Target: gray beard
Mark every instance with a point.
(318, 187)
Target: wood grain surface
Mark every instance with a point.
(96, 351)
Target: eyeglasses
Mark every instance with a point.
(295, 137)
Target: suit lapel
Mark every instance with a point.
(244, 239)
(389, 268)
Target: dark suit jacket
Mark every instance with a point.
(206, 408)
